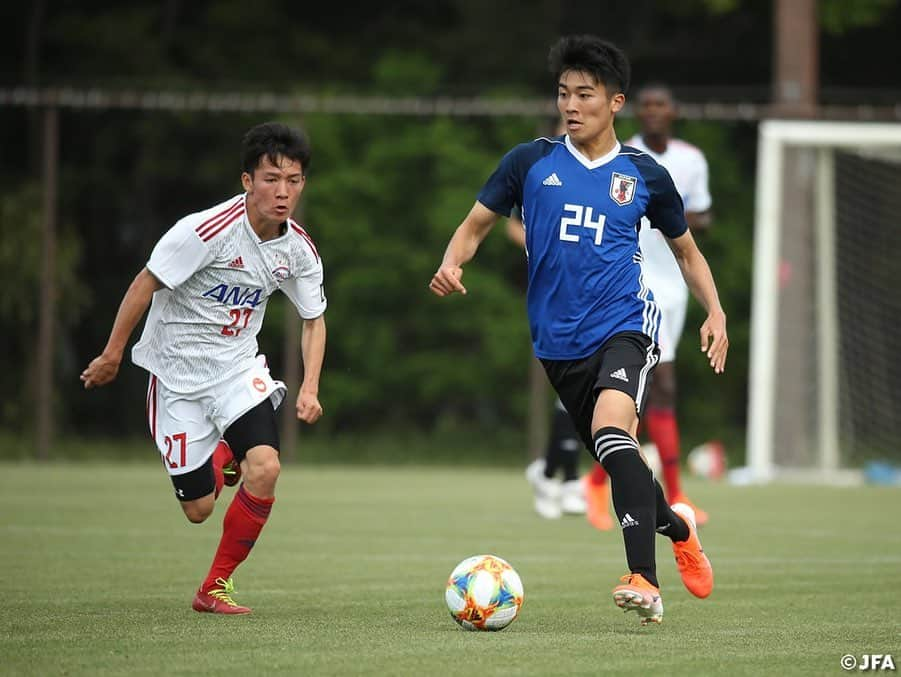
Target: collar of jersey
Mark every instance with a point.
(591, 164)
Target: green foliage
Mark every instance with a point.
(382, 202)
(840, 16)
(21, 252)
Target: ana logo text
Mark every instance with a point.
(235, 296)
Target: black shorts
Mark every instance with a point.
(257, 427)
(625, 362)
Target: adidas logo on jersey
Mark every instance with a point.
(620, 374)
(628, 521)
(552, 180)
(237, 263)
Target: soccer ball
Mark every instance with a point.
(484, 593)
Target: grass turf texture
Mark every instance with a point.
(99, 567)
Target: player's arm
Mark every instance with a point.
(696, 272)
(516, 232)
(699, 221)
(698, 200)
(461, 249)
(312, 348)
(105, 366)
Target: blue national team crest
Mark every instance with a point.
(622, 188)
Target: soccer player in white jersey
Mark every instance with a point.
(211, 401)
(656, 112)
(592, 317)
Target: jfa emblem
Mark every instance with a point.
(622, 188)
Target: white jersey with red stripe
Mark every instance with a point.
(688, 168)
(202, 327)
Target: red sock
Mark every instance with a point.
(243, 522)
(220, 458)
(598, 475)
(664, 432)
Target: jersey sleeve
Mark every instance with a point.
(307, 289)
(697, 197)
(665, 210)
(179, 254)
(503, 190)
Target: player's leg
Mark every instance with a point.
(541, 475)
(623, 372)
(597, 498)
(634, 501)
(660, 418)
(253, 439)
(195, 492)
(186, 440)
(567, 447)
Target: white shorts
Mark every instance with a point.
(187, 427)
(672, 321)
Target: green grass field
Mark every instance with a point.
(98, 569)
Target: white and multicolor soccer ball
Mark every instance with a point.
(484, 593)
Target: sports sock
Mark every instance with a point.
(664, 432)
(555, 454)
(241, 526)
(634, 498)
(570, 453)
(220, 454)
(598, 475)
(669, 523)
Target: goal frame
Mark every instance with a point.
(774, 137)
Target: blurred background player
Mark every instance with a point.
(656, 113)
(207, 283)
(554, 496)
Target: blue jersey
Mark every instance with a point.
(582, 219)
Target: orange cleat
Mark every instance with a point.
(700, 516)
(218, 600)
(637, 594)
(694, 567)
(597, 499)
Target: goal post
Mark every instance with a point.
(826, 238)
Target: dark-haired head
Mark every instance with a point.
(600, 59)
(273, 140)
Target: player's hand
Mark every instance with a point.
(101, 371)
(308, 408)
(714, 341)
(447, 281)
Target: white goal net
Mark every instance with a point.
(825, 381)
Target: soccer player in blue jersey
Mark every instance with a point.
(592, 317)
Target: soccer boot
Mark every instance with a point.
(547, 490)
(231, 469)
(700, 516)
(572, 498)
(637, 594)
(694, 567)
(597, 503)
(218, 600)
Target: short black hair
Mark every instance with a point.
(601, 59)
(273, 139)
